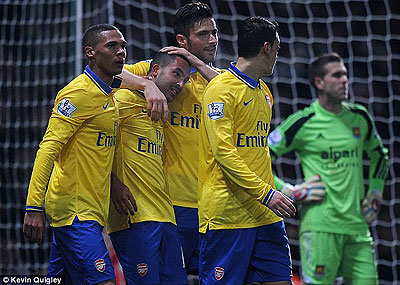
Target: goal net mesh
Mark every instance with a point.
(40, 53)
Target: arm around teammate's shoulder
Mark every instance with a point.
(157, 107)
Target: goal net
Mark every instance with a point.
(40, 43)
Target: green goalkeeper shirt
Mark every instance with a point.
(332, 145)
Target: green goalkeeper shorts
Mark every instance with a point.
(325, 256)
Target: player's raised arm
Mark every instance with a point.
(205, 69)
(157, 107)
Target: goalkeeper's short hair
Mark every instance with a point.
(317, 67)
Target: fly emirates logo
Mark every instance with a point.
(254, 140)
(192, 121)
(149, 146)
(107, 140)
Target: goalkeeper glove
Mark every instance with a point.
(370, 205)
(311, 191)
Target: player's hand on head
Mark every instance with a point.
(370, 205)
(33, 228)
(193, 60)
(122, 197)
(176, 50)
(311, 191)
(157, 107)
(281, 205)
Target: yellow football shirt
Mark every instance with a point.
(235, 175)
(80, 142)
(138, 163)
(181, 138)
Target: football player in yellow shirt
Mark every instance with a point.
(243, 237)
(80, 142)
(147, 243)
(196, 34)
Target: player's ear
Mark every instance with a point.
(266, 47)
(155, 70)
(89, 51)
(182, 41)
(318, 82)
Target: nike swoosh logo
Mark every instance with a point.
(247, 103)
(105, 107)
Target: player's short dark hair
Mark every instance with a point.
(163, 59)
(253, 33)
(92, 34)
(317, 67)
(190, 14)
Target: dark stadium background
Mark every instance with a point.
(39, 44)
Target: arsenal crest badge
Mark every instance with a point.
(100, 265)
(218, 273)
(142, 269)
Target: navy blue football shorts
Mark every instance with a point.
(240, 256)
(79, 253)
(150, 253)
(187, 220)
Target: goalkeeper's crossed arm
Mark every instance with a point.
(311, 191)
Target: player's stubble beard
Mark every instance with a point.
(206, 60)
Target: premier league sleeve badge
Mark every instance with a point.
(215, 110)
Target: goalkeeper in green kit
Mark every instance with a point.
(330, 137)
